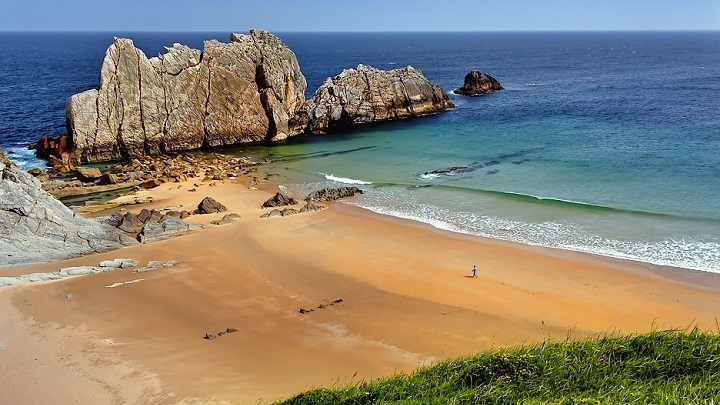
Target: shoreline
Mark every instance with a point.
(406, 296)
(691, 277)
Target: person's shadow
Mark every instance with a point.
(469, 276)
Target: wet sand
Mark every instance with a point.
(407, 300)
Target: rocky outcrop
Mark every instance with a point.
(165, 228)
(477, 83)
(38, 228)
(366, 94)
(232, 217)
(150, 225)
(332, 194)
(209, 205)
(242, 91)
(279, 200)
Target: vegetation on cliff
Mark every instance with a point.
(661, 367)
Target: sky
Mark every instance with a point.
(364, 15)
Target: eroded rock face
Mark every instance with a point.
(366, 94)
(477, 83)
(242, 91)
(38, 228)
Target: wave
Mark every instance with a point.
(550, 201)
(693, 253)
(23, 157)
(345, 180)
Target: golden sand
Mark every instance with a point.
(407, 300)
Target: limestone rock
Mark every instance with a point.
(152, 183)
(88, 174)
(366, 94)
(38, 228)
(274, 213)
(168, 227)
(208, 205)
(226, 219)
(109, 178)
(279, 200)
(477, 83)
(311, 207)
(288, 212)
(332, 194)
(242, 91)
(118, 263)
(131, 223)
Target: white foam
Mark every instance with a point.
(23, 157)
(345, 180)
(429, 176)
(690, 253)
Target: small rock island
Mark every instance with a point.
(477, 83)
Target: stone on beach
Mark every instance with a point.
(118, 263)
(156, 264)
(332, 194)
(208, 205)
(311, 207)
(279, 200)
(168, 227)
(226, 219)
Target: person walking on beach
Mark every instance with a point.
(474, 270)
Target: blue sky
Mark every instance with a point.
(364, 15)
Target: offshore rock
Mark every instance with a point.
(477, 83)
(366, 94)
(38, 228)
(242, 91)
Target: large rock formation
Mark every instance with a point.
(366, 94)
(477, 83)
(38, 228)
(242, 91)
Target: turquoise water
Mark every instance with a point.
(602, 142)
(539, 191)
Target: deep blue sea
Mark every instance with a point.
(602, 142)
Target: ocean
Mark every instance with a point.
(601, 142)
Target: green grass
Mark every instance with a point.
(661, 367)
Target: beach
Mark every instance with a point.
(380, 295)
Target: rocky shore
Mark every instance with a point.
(36, 227)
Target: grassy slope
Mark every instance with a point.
(667, 367)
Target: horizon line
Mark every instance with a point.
(367, 32)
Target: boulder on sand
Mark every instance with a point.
(279, 200)
(208, 205)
